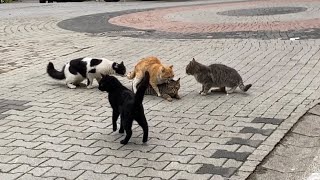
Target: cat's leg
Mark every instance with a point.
(127, 125)
(167, 97)
(155, 87)
(202, 89)
(231, 90)
(177, 96)
(142, 121)
(90, 80)
(121, 130)
(206, 88)
(115, 115)
(135, 83)
(70, 80)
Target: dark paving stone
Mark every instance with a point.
(6, 105)
(263, 11)
(267, 120)
(211, 169)
(2, 116)
(231, 155)
(97, 25)
(252, 143)
(265, 132)
(14, 102)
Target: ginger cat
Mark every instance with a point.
(159, 73)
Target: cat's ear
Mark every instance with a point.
(121, 63)
(171, 66)
(162, 69)
(193, 60)
(178, 80)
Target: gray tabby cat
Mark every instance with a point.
(216, 75)
(168, 90)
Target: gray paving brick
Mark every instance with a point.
(144, 155)
(31, 177)
(64, 164)
(254, 130)
(55, 147)
(267, 120)
(178, 158)
(116, 153)
(55, 154)
(211, 169)
(86, 150)
(130, 171)
(97, 168)
(186, 175)
(95, 176)
(39, 171)
(84, 157)
(231, 155)
(190, 168)
(32, 161)
(252, 143)
(8, 176)
(25, 151)
(122, 176)
(58, 172)
(4, 167)
(120, 161)
(21, 143)
(22, 169)
(156, 173)
(163, 149)
(198, 159)
(151, 164)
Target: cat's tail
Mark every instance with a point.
(54, 73)
(245, 88)
(141, 89)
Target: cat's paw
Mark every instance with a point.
(159, 95)
(114, 128)
(177, 97)
(203, 94)
(71, 86)
(200, 92)
(90, 87)
(145, 140)
(169, 99)
(124, 142)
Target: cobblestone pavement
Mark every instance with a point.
(297, 156)
(48, 131)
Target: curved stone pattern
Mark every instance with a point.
(263, 11)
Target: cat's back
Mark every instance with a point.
(147, 62)
(222, 68)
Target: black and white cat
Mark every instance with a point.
(88, 68)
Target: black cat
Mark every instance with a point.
(126, 104)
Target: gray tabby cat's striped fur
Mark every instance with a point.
(216, 75)
(168, 90)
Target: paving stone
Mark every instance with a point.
(254, 130)
(27, 160)
(58, 172)
(96, 176)
(231, 155)
(39, 171)
(156, 173)
(145, 155)
(9, 176)
(53, 162)
(97, 168)
(22, 169)
(31, 177)
(151, 164)
(130, 171)
(115, 160)
(25, 151)
(84, 157)
(122, 176)
(252, 143)
(211, 169)
(190, 168)
(186, 175)
(4, 167)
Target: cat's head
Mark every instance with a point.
(108, 83)
(174, 84)
(166, 73)
(190, 67)
(120, 69)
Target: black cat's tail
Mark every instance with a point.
(245, 88)
(54, 73)
(142, 89)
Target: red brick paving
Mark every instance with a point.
(155, 19)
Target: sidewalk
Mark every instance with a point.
(48, 131)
